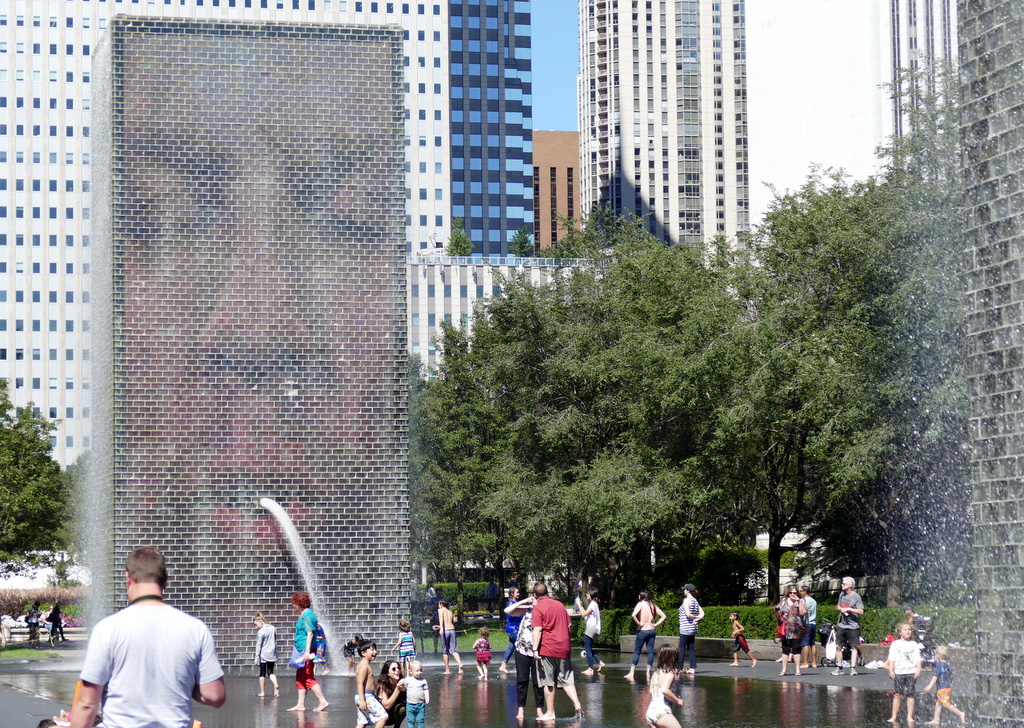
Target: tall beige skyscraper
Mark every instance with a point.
(820, 78)
(663, 114)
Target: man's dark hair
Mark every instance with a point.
(540, 589)
(146, 565)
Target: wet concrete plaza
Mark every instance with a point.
(718, 695)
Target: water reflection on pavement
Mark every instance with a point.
(715, 697)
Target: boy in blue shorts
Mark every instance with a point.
(369, 711)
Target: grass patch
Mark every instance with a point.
(24, 653)
(466, 635)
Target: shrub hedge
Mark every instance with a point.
(448, 590)
(952, 624)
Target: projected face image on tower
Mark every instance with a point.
(258, 312)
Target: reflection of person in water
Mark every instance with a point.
(259, 239)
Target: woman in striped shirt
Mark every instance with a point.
(690, 614)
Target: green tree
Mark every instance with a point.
(799, 420)
(582, 406)
(454, 445)
(459, 243)
(521, 244)
(33, 491)
(919, 504)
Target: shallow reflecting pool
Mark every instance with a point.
(715, 697)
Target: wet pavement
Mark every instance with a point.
(32, 690)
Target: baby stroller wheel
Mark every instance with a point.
(825, 662)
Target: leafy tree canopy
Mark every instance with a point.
(672, 400)
(521, 244)
(34, 493)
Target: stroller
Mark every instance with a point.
(832, 657)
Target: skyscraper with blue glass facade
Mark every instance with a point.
(491, 135)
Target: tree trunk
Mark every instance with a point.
(894, 583)
(774, 561)
(614, 565)
(459, 593)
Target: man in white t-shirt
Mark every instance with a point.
(150, 658)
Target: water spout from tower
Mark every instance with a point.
(305, 565)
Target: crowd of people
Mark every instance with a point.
(37, 620)
(176, 654)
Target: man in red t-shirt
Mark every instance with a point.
(551, 643)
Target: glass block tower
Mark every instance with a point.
(46, 159)
(663, 114)
(250, 317)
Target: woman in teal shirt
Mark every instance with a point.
(305, 632)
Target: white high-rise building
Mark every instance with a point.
(45, 164)
(444, 289)
(820, 77)
(663, 114)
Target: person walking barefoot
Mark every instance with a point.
(266, 653)
(305, 634)
(592, 629)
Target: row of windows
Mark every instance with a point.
(493, 117)
(19, 267)
(69, 297)
(491, 46)
(390, 8)
(477, 188)
(37, 382)
(421, 88)
(37, 185)
(493, 141)
(69, 441)
(36, 213)
(438, 220)
(37, 325)
(52, 157)
(473, 22)
(69, 413)
(37, 130)
(19, 75)
(37, 48)
(69, 241)
(37, 354)
(438, 167)
(447, 293)
(37, 103)
(37, 21)
(438, 141)
(438, 194)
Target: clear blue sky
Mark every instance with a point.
(555, 64)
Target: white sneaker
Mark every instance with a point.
(853, 671)
(838, 671)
